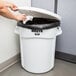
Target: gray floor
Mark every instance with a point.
(61, 68)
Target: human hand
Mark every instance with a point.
(20, 17)
(4, 3)
(12, 6)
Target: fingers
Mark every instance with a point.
(21, 17)
(13, 7)
(24, 17)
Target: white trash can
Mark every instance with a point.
(37, 41)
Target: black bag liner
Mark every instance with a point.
(40, 23)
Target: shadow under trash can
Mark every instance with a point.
(38, 39)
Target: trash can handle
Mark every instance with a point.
(59, 31)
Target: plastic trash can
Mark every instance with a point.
(38, 39)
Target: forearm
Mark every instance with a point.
(7, 13)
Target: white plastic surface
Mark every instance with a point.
(48, 33)
(38, 12)
(37, 52)
(37, 55)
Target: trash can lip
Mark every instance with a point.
(40, 23)
(38, 28)
(38, 12)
